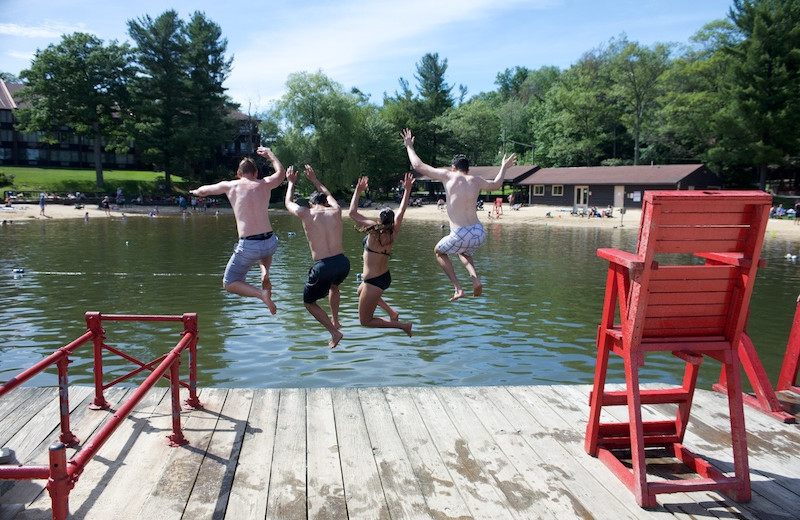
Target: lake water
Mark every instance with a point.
(535, 323)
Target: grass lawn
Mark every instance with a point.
(21, 178)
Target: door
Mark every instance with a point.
(619, 196)
(581, 196)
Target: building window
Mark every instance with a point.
(538, 190)
(558, 191)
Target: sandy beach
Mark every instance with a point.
(527, 215)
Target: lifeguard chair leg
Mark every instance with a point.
(787, 380)
(765, 399)
(596, 397)
(738, 433)
(638, 458)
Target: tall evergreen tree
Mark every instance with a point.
(161, 88)
(182, 116)
(764, 118)
(81, 84)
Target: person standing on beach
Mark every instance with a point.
(249, 198)
(378, 242)
(322, 223)
(462, 190)
(42, 199)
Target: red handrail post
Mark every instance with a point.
(67, 437)
(59, 484)
(177, 438)
(190, 327)
(94, 324)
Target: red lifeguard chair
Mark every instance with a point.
(692, 310)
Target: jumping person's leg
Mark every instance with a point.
(368, 299)
(477, 286)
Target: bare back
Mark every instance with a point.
(250, 201)
(323, 227)
(462, 193)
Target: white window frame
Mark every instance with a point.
(558, 190)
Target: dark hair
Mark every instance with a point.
(386, 217)
(248, 165)
(385, 225)
(461, 162)
(319, 198)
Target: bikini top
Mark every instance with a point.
(368, 250)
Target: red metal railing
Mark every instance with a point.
(62, 474)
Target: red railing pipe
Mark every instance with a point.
(91, 447)
(44, 364)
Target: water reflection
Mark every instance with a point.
(535, 323)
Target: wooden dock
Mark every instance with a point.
(375, 453)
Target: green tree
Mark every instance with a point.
(637, 71)
(323, 126)
(211, 124)
(182, 113)
(694, 97)
(579, 115)
(160, 90)
(81, 84)
(761, 127)
(474, 129)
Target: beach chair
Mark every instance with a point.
(669, 298)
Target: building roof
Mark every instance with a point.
(643, 174)
(6, 95)
(513, 174)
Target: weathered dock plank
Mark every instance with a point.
(379, 453)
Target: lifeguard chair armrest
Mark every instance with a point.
(735, 259)
(623, 258)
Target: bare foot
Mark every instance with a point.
(457, 295)
(477, 290)
(335, 339)
(406, 327)
(266, 297)
(336, 324)
(394, 315)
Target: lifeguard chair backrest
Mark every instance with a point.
(678, 294)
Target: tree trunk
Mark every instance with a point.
(98, 156)
(762, 176)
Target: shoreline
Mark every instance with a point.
(527, 215)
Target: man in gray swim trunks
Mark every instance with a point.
(249, 198)
(466, 231)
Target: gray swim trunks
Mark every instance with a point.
(246, 254)
(464, 240)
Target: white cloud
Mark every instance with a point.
(47, 29)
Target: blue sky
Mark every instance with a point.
(370, 44)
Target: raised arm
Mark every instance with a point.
(332, 202)
(291, 206)
(498, 180)
(280, 173)
(438, 174)
(361, 186)
(219, 188)
(408, 184)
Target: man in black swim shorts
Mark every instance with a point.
(322, 222)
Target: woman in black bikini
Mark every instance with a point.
(380, 236)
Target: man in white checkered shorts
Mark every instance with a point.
(462, 190)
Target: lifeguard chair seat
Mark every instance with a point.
(668, 297)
